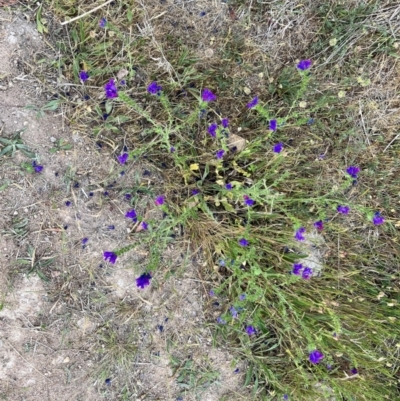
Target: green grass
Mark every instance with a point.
(349, 311)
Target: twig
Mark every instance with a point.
(87, 13)
(384, 150)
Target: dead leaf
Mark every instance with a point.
(238, 141)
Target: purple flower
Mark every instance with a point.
(316, 356)
(354, 371)
(250, 330)
(248, 201)
(195, 191)
(353, 171)
(111, 89)
(123, 158)
(159, 200)
(122, 82)
(253, 103)
(131, 214)
(299, 234)
(221, 321)
(297, 268)
(212, 293)
(319, 225)
(110, 256)
(304, 65)
(225, 123)
(68, 203)
(212, 130)
(154, 88)
(172, 149)
(84, 241)
(278, 147)
(207, 95)
(285, 397)
(378, 219)
(37, 168)
(242, 297)
(220, 154)
(228, 186)
(234, 312)
(307, 273)
(103, 23)
(128, 196)
(343, 209)
(243, 242)
(273, 125)
(144, 225)
(143, 280)
(83, 76)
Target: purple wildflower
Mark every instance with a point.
(354, 371)
(248, 201)
(343, 209)
(37, 168)
(111, 89)
(110, 256)
(285, 397)
(316, 356)
(83, 76)
(108, 382)
(154, 88)
(131, 214)
(212, 130)
(297, 268)
(128, 196)
(144, 225)
(208, 96)
(172, 149)
(212, 293)
(243, 242)
(123, 158)
(278, 147)
(228, 186)
(103, 23)
(319, 225)
(195, 191)
(304, 65)
(220, 320)
(250, 330)
(220, 154)
(225, 123)
(68, 203)
(237, 370)
(234, 312)
(253, 103)
(143, 280)
(353, 171)
(122, 82)
(299, 234)
(84, 241)
(307, 273)
(273, 125)
(159, 200)
(242, 297)
(378, 219)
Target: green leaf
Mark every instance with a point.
(6, 150)
(109, 107)
(129, 15)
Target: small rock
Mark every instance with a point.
(66, 360)
(52, 139)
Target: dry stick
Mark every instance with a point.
(87, 13)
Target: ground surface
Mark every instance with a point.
(44, 348)
(74, 327)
